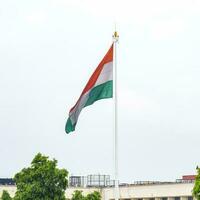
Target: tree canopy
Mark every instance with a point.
(42, 180)
(196, 189)
(5, 196)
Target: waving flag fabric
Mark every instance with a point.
(99, 86)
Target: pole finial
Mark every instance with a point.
(115, 36)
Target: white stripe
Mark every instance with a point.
(106, 74)
(74, 114)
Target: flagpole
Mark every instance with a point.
(115, 41)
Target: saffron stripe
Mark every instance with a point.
(106, 75)
(107, 58)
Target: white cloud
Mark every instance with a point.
(131, 10)
(131, 100)
(37, 17)
(164, 29)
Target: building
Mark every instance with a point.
(178, 190)
(7, 181)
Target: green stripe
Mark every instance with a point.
(102, 91)
(69, 127)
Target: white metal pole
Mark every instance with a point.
(115, 41)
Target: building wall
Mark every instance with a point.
(151, 191)
(9, 188)
(145, 192)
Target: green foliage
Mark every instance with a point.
(196, 189)
(77, 195)
(41, 181)
(5, 196)
(93, 196)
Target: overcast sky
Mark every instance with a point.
(49, 49)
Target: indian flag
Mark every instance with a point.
(99, 86)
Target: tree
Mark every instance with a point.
(42, 180)
(5, 195)
(77, 195)
(196, 189)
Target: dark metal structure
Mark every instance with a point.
(7, 181)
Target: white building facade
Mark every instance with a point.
(159, 191)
